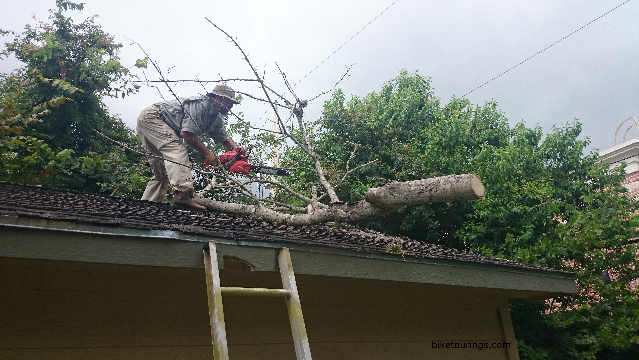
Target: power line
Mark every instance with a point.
(347, 41)
(548, 47)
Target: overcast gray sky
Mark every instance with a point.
(592, 75)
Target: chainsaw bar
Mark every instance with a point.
(268, 170)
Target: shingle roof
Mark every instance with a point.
(54, 204)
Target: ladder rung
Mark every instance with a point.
(263, 292)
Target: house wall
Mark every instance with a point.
(73, 310)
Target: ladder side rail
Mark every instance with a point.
(216, 310)
(296, 319)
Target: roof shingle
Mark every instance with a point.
(54, 204)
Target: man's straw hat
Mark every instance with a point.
(225, 91)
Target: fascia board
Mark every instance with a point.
(67, 241)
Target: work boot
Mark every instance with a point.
(183, 198)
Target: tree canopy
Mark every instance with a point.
(548, 202)
(50, 107)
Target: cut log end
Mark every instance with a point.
(477, 186)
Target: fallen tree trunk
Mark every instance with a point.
(378, 202)
(425, 191)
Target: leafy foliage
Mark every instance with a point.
(50, 108)
(547, 203)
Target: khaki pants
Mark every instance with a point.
(160, 140)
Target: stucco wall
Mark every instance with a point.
(71, 310)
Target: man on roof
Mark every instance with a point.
(163, 125)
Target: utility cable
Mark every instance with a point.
(548, 47)
(347, 41)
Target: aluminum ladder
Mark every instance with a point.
(289, 292)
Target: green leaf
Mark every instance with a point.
(142, 63)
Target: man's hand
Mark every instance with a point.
(212, 158)
(240, 149)
(229, 145)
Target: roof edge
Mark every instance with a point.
(82, 228)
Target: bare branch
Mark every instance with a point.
(298, 111)
(353, 170)
(348, 69)
(285, 207)
(260, 99)
(191, 80)
(285, 187)
(157, 68)
(145, 153)
(352, 155)
(234, 182)
(267, 130)
(281, 97)
(288, 85)
(348, 164)
(253, 69)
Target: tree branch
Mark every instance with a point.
(298, 111)
(379, 201)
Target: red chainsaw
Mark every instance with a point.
(236, 163)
